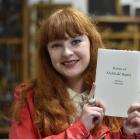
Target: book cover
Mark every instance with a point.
(118, 80)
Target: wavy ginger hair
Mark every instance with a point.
(51, 95)
(52, 102)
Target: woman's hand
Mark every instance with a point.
(132, 123)
(93, 111)
(92, 115)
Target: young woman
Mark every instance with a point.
(58, 103)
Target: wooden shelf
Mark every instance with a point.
(14, 58)
(4, 130)
(117, 19)
(117, 36)
(42, 6)
(10, 41)
(121, 31)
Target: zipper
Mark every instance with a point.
(103, 136)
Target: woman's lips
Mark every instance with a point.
(70, 63)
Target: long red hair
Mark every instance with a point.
(52, 102)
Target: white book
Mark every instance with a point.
(118, 80)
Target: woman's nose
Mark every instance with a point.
(67, 51)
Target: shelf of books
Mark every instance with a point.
(119, 32)
(13, 48)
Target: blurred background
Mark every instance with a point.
(117, 20)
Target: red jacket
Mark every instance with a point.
(27, 129)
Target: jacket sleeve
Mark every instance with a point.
(121, 135)
(27, 129)
(75, 131)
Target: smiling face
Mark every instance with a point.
(70, 57)
(59, 52)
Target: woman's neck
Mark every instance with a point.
(76, 84)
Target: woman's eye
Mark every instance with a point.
(76, 41)
(56, 45)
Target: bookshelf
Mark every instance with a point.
(14, 55)
(119, 32)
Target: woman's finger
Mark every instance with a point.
(134, 107)
(92, 91)
(133, 117)
(100, 104)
